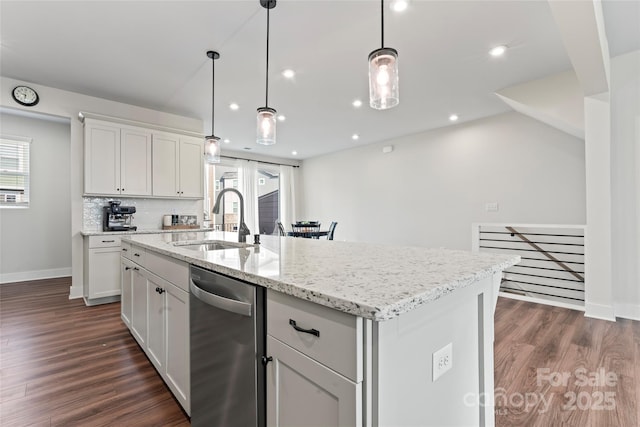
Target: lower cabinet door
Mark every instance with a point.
(177, 365)
(156, 329)
(104, 272)
(126, 278)
(303, 393)
(139, 307)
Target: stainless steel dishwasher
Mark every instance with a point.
(227, 345)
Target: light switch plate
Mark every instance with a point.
(442, 361)
(491, 207)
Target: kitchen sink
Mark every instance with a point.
(210, 245)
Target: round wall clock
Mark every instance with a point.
(26, 96)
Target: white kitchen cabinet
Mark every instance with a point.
(302, 392)
(177, 374)
(178, 166)
(101, 269)
(117, 159)
(156, 332)
(160, 316)
(315, 377)
(139, 307)
(126, 275)
(191, 167)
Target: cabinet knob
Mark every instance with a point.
(266, 360)
(127, 268)
(124, 249)
(136, 254)
(136, 269)
(159, 290)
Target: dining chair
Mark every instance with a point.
(332, 229)
(281, 229)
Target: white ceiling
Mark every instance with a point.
(152, 54)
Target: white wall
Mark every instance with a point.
(434, 185)
(35, 242)
(68, 104)
(625, 183)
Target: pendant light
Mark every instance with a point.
(266, 125)
(383, 75)
(212, 142)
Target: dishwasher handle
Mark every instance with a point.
(226, 304)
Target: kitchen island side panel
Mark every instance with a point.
(403, 391)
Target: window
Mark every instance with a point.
(14, 172)
(235, 208)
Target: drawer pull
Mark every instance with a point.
(306, 331)
(108, 241)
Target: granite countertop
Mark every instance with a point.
(374, 281)
(143, 231)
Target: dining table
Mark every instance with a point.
(307, 229)
(308, 234)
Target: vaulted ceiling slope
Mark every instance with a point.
(152, 54)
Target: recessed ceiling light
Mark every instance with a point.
(234, 106)
(226, 140)
(498, 50)
(357, 103)
(288, 73)
(399, 5)
(282, 118)
(453, 117)
(355, 136)
(295, 153)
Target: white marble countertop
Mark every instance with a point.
(377, 282)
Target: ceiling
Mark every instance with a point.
(153, 54)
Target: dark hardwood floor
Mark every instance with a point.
(555, 367)
(65, 364)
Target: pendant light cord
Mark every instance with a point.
(213, 92)
(382, 21)
(266, 98)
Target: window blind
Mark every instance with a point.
(14, 172)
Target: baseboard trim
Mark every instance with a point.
(628, 311)
(599, 311)
(76, 292)
(25, 276)
(541, 301)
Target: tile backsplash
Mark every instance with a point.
(148, 214)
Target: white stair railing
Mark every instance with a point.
(552, 267)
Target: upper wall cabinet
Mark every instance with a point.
(117, 159)
(125, 160)
(177, 166)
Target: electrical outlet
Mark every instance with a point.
(442, 361)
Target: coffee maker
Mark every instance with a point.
(118, 218)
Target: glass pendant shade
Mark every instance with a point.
(266, 126)
(212, 149)
(383, 78)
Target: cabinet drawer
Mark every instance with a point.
(103, 241)
(338, 342)
(138, 255)
(170, 269)
(126, 251)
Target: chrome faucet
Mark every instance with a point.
(243, 230)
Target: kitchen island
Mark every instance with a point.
(407, 332)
